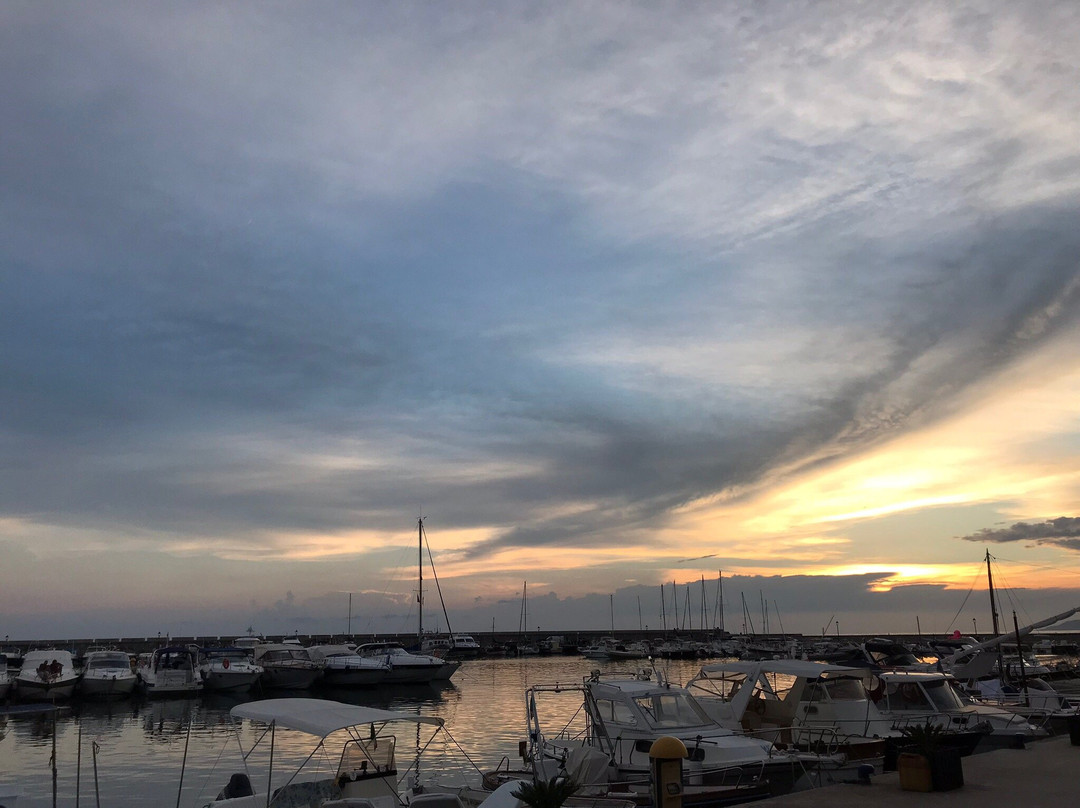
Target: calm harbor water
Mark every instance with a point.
(141, 743)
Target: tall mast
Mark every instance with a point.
(720, 582)
(993, 602)
(420, 578)
(663, 607)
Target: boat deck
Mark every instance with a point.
(1041, 774)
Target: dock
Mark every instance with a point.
(1041, 774)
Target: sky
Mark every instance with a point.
(613, 295)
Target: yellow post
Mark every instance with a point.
(665, 764)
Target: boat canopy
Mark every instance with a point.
(791, 667)
(320, 717)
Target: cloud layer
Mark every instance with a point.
(277, 281)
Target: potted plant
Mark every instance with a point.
(926, 763)
(546, 793)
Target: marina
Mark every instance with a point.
(155, 751)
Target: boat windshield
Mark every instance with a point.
(943, 695)
(233, 655)
(672, 709)
(108, 661)
(845, 689)
(286, 655)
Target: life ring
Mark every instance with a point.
(225, 663)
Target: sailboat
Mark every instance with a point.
(442, 668)
(525, 648)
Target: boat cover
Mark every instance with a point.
(321, 717)
(791, 667)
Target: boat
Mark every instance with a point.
(405, 667)
(366, 767)
(5, 678)
(619, 718)
(807, 705)
(46, 675)
(343, 667)
(286, 666)
(14, 656)
(453, 646)
(1032, 697)
(170, 672)
(920, 697)
(107, 674)
(228, 669)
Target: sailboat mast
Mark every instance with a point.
(993, 601)
(663, 607)
(720, 587)
(420, 579)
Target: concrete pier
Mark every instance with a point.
(1042, 774)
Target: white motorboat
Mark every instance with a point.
(170, 672)
(47, 674)
(808, 705)
(621, 717)
(343, 667)
(919, 697)
(1033, 698)
(107, 675)
(454, 646)
(406, 667)
(286, 666)
(366, 768)
(228, 669)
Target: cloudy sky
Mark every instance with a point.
(613, 294)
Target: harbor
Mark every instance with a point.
(183, 750)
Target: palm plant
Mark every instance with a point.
(546, 793)
(925, 738)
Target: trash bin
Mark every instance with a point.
(1074, 729)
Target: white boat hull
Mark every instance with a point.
(107, 687)
(27, 689)
(235, 681)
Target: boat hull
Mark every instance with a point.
(27, 689)
(289, 678)
(232, 681)
(107, 687)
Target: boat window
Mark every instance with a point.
(111, 661)
(724, 687)
(814, 692)
(906, 696)
(615, 712)
(942, 695)
(672, 710)
(845, 690)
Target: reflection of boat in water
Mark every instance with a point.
(366, 766)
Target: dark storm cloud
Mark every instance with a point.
(242, 248)
(1064, 532)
